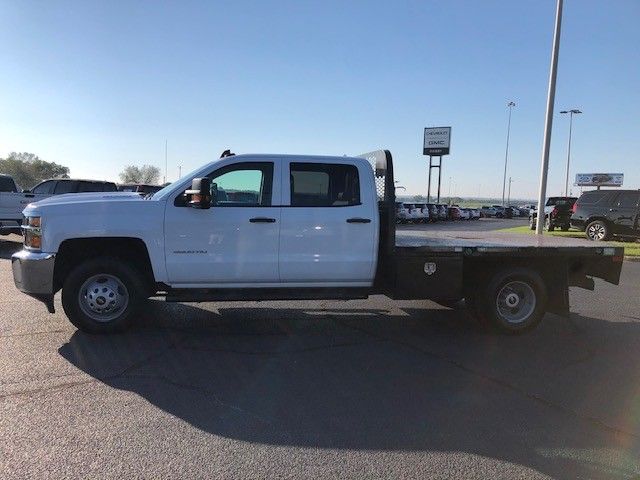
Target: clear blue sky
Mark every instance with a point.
(98, 85)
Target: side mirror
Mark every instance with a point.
(200, 194)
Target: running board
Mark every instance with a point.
(257, 294)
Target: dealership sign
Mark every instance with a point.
(599, 179)
(437, 141)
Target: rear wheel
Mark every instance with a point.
(513, 301)
(597, 231)
(532, 223)
(548, 225)
(102, 295)
(565, 228)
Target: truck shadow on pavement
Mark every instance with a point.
(563, 400)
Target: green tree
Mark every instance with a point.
(149, 174)
(27, 169)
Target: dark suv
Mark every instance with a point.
(604, 213)
(59, 186)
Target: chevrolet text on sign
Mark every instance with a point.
(437, 141)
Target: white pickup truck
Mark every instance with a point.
(280, 227)
(12, 202)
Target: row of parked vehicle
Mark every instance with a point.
(433, 212)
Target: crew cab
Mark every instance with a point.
(288, 227)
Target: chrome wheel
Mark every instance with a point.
(516, 302)
(103, 297)
(596, 231)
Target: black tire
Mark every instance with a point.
(565, 228)
(129, 278)
(598, 230)
(499, 290)
(548, 225)
(532, 223)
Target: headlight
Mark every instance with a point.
(32, 233)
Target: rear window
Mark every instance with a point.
(560, 201)
(7, 184)
(324, 185)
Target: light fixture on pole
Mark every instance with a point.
(506, 153)
(566, 180)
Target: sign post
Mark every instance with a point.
(437, 142)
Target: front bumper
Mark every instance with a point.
(33, 275)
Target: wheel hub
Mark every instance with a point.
(516, 302)
(103, 297)
(512, 300)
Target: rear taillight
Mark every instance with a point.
(554, 212)
(574, 207)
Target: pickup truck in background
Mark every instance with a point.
(557, 214)
(289, 227)
(12, 203)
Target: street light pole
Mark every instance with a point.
(548, 124)
(571, 113)
(506, 153)
(509, 195)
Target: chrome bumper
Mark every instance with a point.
(33, 272)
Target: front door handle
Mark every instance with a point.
(29, 195)
(262, 220)
(613, 209)
(358, 220)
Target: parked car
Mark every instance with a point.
(557, 214)
(602, 214)
(415, 213)
(423, 211)
(488, 212)
(443, 213)
(475, 214)
(58, 186)
(454, 213)
(141, 188)
(402, 213)
(433, 211)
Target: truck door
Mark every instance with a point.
(624, 213)
(329, 231)
(236, 240)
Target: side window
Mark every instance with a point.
(324, 185)
(45, 188)
(242, 185)
(66, 186)
(628, 199)
(7, 184)
(89, 187)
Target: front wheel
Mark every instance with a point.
(597, 231)
(513, 301)
(102, 295)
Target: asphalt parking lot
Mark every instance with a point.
(355, 389)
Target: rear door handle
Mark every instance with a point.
(262, 220)
(29, 195)
(358, 220)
